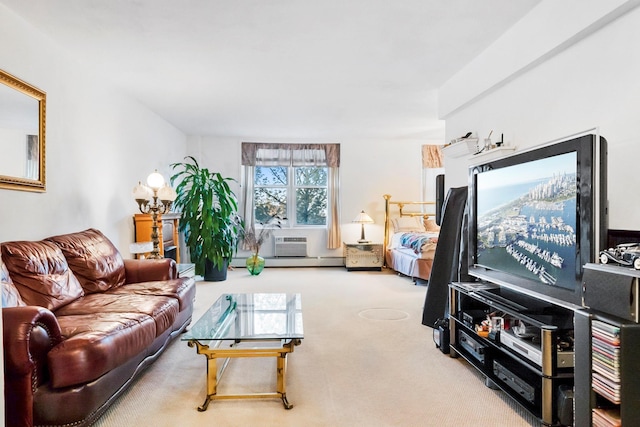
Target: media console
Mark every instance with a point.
(528, 351)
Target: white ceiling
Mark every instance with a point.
(294, 69)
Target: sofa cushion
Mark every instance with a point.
(41, 274)
(163, 310)
(93, 258)
(4, 273)
(96, 343)
(181, 289)
(10, 295)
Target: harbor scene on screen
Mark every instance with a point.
(526, 222)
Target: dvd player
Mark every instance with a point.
(532, 352)
(473, 347)
(523, 388)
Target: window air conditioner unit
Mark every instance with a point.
(290, 246)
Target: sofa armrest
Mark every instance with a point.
(148, 270)
(29, 332)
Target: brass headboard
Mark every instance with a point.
(401, 213)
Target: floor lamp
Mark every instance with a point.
(155, 198)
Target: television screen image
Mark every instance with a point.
(537, 217)
(526, 219)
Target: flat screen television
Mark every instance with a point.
(535, 218)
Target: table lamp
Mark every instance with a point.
(363, 219)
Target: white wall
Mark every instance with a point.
(587, 78)
(368, 169)
(99, 144)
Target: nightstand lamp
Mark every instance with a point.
(363, 219)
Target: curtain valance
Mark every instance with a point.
(277, 154)
(432, 156)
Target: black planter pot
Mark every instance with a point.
(215, 273)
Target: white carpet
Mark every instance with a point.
(366, 360)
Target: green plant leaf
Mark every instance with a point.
(209, 217)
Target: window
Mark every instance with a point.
(297, 193)
(299, 181)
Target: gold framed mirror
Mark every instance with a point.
(22, 135)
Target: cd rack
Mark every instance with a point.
(605, 356)
(614, 369)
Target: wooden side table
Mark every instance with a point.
(168, 236)
(363, 256)
(186, 270)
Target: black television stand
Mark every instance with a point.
(530, 357)
(494, 298)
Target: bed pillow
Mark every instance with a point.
(430, 225)
(408, 223)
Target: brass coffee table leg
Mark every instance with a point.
(233, 352)
(212, 381)
(212, 373)
(282, 385)
(282, 371)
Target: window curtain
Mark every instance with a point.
(432, 166)
(432, 156)
(247, 197)
(274, 154)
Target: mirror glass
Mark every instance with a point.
(22, 135)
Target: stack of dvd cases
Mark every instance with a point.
(605, 356)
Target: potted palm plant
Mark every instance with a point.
(209, 217)
(253, 240)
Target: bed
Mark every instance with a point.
(410, 237)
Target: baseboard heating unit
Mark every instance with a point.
(290, 246)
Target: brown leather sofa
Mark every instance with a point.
(80, 323)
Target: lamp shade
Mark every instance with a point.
(166, 193)
(155, 180)
(363, 218)
(142, 192)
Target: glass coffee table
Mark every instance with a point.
(248, 325)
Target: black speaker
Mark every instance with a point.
(446, 258)
(612, 289)
(441, 335)
(565, 405)
(439, 197)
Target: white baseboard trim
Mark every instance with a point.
(295, 262)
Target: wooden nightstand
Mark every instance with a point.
(363, 256)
